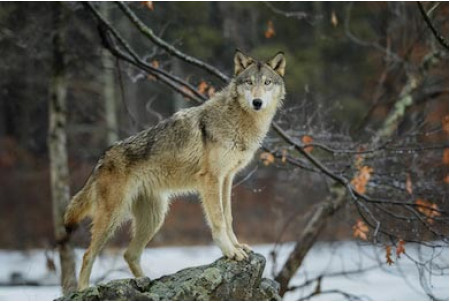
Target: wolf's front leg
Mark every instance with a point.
(211, 192)
(226, 202)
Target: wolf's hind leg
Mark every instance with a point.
(148, 215)
(103, 225)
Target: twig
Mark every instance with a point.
(133, 119)
(333, 274)
(248, 176)
(186, 89)
(298, 15)
(438, 37)
(340, 179)
(348, 296)
(148, 32)
(357, 40)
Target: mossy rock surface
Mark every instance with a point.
(221, 280)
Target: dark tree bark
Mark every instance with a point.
(57, 145)
(316, 224)
(109, 90)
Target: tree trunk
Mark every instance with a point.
(178, 101)
(109, 91)
(316, 224)
(59, 172)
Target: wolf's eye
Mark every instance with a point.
(249, 82)
(267, 82)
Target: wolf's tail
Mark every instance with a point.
(78, 208)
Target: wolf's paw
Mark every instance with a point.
(245, 247)
(237, 254)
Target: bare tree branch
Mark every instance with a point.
(176, 83)
(297, 15)
(361, 42)
(309, 236)
(346, 295)
(333, 274)
(438, 37)
(148, 32)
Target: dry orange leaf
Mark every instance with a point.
(307, 140)
(445, 124)
(425, 208)
(445, 156)
(202, 87)
(389, 261)
(360, 230)
(408, 184)
(148, 4)
(334, 19)
(267, 158)
(155, 63)
(359, 182)
(270, 31)
(400, 248)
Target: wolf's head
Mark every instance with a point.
(259, 85)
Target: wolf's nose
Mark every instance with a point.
(257, 103)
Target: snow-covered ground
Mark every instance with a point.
(399, 281)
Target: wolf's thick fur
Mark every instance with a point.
(197, 149)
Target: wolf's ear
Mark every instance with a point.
(241, 62)
(278, 63)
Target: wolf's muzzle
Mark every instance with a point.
(257, 103)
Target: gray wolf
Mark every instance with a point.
(199, 149)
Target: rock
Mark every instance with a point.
(222, 280)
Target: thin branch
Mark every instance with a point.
(298, 15)
(438, 37)
(309, 235)
(333, 274)
(311, 158)
(133, 119)
(248, 176)
(381, 148)
(148, 32)
(346, 295)
(340, 179)
(361, 42)
(176, 83)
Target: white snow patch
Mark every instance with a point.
(397, 282)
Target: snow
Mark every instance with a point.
(400, 281)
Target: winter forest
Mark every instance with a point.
(347, 197)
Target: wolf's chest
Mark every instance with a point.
(234, 159)
(236, 154)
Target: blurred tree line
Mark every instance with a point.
(340, 85)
